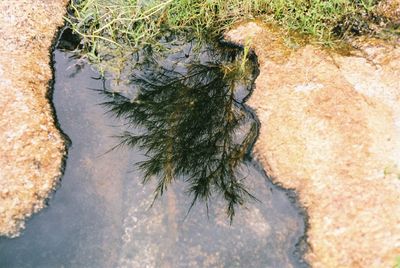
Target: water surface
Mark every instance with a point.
(101, 216)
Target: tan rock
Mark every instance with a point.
(31, 147)
(390, 9)
(330, 129)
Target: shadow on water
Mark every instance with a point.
(180, 123)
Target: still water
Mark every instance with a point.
(183, 131)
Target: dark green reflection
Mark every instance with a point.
(195, 127)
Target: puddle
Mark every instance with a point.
(101, 216)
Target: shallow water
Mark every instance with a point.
(101, 217)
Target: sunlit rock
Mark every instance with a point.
(31, 147)
(330, 129)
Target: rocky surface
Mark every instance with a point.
(390, 9)
(31, 147)
(330, 129)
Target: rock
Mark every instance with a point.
(330, 129)
(390, 9)
(27, 29)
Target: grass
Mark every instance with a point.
(112, 28)
(397, 265)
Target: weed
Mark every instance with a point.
(113, 28)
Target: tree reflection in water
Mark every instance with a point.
(195, 126)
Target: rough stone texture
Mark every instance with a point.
(31, 147)
(330, 129)
(390, 9)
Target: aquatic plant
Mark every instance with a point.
(195, 126)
